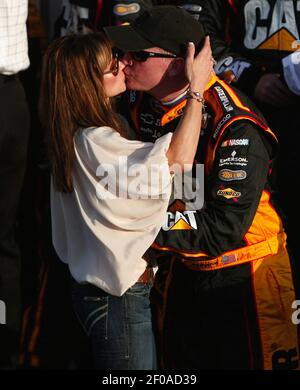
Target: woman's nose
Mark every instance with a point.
(126, 60)
(121, 65)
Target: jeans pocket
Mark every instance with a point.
(92, 312)
(140, 289)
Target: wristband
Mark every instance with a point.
(195, 95)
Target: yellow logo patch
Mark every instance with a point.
(229, 193)
(126, 9)
(184, 220)
(229, 175)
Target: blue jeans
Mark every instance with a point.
(119, 328)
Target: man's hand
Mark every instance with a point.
(271, 90)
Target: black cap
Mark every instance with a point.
(165, 26)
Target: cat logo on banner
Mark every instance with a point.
(271, 28)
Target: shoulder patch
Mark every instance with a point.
(229, 193)
(235, 142)
(230, 175)
(223, 98)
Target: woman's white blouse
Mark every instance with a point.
(120, 198)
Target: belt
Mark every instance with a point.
(252, 252)
(147, 276)
(201, 262)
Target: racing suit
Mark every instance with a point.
(214, 305)
(251, 38)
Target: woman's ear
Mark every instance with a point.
(176, 67)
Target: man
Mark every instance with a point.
(223, 291)
(14, 131)
(256, 45)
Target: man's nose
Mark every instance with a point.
(126, 59)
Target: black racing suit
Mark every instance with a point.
(207, 301)
(253, 38)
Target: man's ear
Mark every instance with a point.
(176, 67)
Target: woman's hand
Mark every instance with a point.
(198, 69)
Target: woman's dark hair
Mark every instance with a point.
(72, 97)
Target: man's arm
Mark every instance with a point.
(230, 204)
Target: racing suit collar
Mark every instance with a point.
(214, 78)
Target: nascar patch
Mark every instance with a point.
(229, 175)
(229, 193)
(235, 142)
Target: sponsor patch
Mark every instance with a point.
(222, 122)
(229, 175)
(126, 9)
(224, 99)
(233, 160)
(147, 118)
(235, 142)
(180, 221)
(227, 259)
(229, 193)
(237, 66)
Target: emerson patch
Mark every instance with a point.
(229, 193)
(229, 175)
(235, 142)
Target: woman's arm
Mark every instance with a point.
(185, 139)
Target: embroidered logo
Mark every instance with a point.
(235, 142)
(180, 220)
(229, 193)
(229, 175)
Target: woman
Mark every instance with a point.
(103, 219)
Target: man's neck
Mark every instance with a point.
(165, 95)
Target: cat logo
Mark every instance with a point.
(126, 9)
(229, 175)
(229, 193)
(184, 220)
(271, 27)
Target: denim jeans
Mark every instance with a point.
(119, 328)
